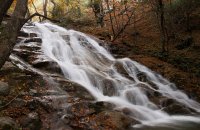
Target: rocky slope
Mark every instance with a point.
(34, 95)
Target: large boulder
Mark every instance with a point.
(112, 120)
(31, 121)
(173, 107)
(7, 123)
(4, 89)
(97, 116)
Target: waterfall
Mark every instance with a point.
(118, 81)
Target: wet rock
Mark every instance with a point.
(177, 109)
(66, 37)
(25, 54)
(173, 107)
(4, 89)
(119, 67)
(126, 111)
(112, 120)
(74, 89)
(31, 121)
(81, 109)
(142, 77)
(39, 40)
(7, 123)
(97, 115)
(33, 92)
(167, 102)
(149, 92)
(19, 40)
(109, 87)
(33, 35)
(30, 48)
(48, 66)
(18, 102)
(23, 34)
(104, 105)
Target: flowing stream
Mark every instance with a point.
(118, 81)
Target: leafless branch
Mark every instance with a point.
(40, 15)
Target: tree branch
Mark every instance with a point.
(2, 107)
(124, 27)
(40, 15)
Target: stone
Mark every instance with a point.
(74, 89)
(104, 105)
(31, 121)
(33, 104)
(8, 65)
(81, 109)
(33, 35)
(108, 87)
(18, 102)
(7, 123)
(142, 77)
(23, 34)
(120, 68)
(36, 39)
(177, 109)
(48, 66)
(19, 39)
(4, 89)
(33, 92)
(167, 102)
(113, 120)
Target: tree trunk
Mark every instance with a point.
(110, 16)
(188, 22)
(162, 26)
(4, 6)
(45, 8)
(54, 8)
(9, 34)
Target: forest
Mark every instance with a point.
(99, 64)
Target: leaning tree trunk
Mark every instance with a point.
(9, 34)
(4, 6)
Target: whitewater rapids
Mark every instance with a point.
(84, 61)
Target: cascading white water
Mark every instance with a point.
(84, 61)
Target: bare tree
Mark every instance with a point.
(120, 16)
(158, 8)
(110, 16)
(97, 8)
